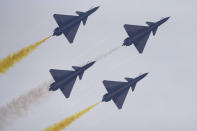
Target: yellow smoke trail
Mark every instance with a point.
(66, 122)
(10, 60)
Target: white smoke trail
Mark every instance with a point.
(88, 52)
(18, 107)
(107, 54)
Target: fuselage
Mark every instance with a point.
(108, 96)
(129, 40)
(54, 86)
(76, 20)
(65, 80)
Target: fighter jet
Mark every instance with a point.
(69, 24)
(65, 79)
(117, 91)
(138, 35)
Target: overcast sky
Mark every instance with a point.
(165, 100)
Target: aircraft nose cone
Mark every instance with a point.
(143, 75)
(96, 8)
(91, 63)
(167, 18)
(146, 74)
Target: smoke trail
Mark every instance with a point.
(106, 54)
(66, 122)
(18, 107)
(10, 60)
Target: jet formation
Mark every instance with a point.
(138, 35)
(117, 91)
(69, 24)
(65, 79)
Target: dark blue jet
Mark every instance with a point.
(65, 79)
(69, 24)
(138, 35)
(117, 91)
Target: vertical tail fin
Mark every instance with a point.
(83, 20)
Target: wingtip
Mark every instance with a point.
(67, 97)
(140, 52)
(51, 70)
(104, 81)
(54, 15)
(119, 108)
(70, 42)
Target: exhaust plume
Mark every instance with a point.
(67, 121)
(11, 60)
(18, 107)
